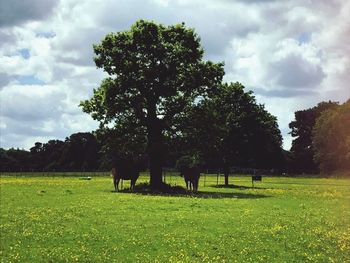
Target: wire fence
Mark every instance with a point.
(170, 176)
(206, 179)
(56, 174)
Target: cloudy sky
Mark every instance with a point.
(292, 54)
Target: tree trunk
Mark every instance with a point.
(155, 166)
(154, 148)
(226, 179)
(226, 174)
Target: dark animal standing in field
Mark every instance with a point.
(191, 176)
(256, 177)
(125, 171)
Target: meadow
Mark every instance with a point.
(65, 219)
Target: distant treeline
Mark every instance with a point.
(81, 152)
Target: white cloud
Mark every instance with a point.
(293, 54)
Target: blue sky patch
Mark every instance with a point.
(46, 34)
(25, 53)
(29, 80)
(304, 38)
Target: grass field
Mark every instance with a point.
(60, 219)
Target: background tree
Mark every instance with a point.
(301, 151)
(155, 71)
(81, 152)
(331, 139)
(37, 157)
(230, 129)
(15, 160)
(125, 140)
(46, 156)
(53, 152)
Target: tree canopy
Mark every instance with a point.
(81, 151)
(331, 139)
(302, 152)
(229, 129)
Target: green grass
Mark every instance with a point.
(60, 219)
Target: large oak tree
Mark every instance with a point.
(155, 71)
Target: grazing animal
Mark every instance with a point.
(257, 177)
(191, 176)
(125, 171)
